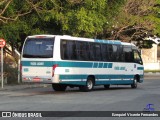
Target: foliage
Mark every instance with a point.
(85, 18)
(12, 74)
(141, 20)
(152, 71)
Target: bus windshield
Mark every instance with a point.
(38, 48)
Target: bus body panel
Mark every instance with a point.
(73, 72)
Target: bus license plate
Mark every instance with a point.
(36, 79)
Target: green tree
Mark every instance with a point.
(86, 18)
(136, 21)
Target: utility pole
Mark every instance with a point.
(2, 44)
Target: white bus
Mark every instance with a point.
(80, 62)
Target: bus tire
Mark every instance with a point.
(57, 87)
(106, 86)
(89, 85)
(135, 83)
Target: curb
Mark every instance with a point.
(152, 73)
(22, 86)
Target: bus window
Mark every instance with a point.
(120, 54)
(38, 48)
(115, 55)
(95, 52)
(64, 49)
(104, 52)
(68, 50)
(91, 52)
(110, 52)
(137, 58)
(128, 56)
(82, 50)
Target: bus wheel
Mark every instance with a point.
(57, 87)
(134, 85)
(89, 85)
(106, 86)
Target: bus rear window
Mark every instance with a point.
(38, 48)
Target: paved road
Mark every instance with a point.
(117, 98)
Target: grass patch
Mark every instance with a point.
(153, 71)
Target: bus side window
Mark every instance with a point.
(91, 52)
(87, 53)
(63, 49)
(82, 50)
(110, 52)
(104, 52)
(120, 54)
(137, 57)
(95, 52)
(68, 50)
(72, 52)
(115, 55)
(128, 56)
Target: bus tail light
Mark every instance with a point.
(25, 78)
(36, 79)
(53, 69)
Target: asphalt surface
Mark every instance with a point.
(40, 97)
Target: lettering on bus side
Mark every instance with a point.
(33, 63)
(66, 70)
(26, 69)
(40, 63)
(36, 63)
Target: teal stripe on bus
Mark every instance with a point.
(84, 64)
(95, 65)
(37, 63)
(100, 65)
(73, 82)
(108, 41)
(109, 65)
(66, 64)
(113, 82)
(140, 68)
(73, 76)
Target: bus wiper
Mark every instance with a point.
(36, 56)
(45, 56)
(28, 56)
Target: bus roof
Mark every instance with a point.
(82, 39)
(41, 36)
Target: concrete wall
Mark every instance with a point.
(149, 57)
(152, 66)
